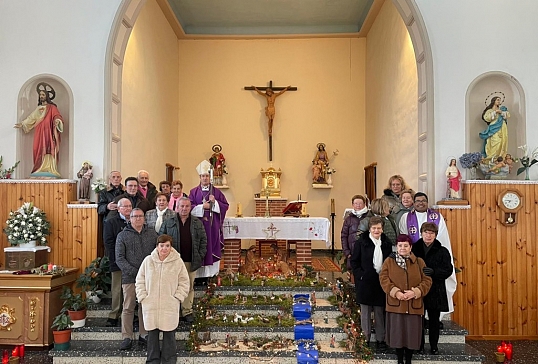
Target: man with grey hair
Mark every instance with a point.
(133, 244)
(146, 188)
(106, 198)
(190, 240)
(111, 229)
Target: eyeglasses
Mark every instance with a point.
(137, 216)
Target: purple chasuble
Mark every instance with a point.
(413, 230)
(212, 226)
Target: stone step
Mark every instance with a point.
(96, 330)
(107, 351)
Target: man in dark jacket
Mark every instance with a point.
(106, 198)
(111, 229)
(146, 188)
(439, 267)
(190, 240)
(132, 193)
(133, 244)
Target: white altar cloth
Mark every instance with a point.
(277, 228)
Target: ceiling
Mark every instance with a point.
(270, 18)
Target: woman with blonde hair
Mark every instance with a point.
(392, 192)
(380, 207)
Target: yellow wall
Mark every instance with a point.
(150, 96)
(391, 99)
(328, 107)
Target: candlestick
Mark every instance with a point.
(332, 206)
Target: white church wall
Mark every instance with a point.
(328, 107)
(470, 38)
(391, 94)
(150, 96)
(63, 38)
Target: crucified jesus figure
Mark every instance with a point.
(270, 108)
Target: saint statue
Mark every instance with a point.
(218, 162)
(48, 125)
(320, 165)
(453, 176)
(496, 134)
(85, 174)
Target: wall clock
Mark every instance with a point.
(510, 202)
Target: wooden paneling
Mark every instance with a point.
(74, 236)
(497, 287)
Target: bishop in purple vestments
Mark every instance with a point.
(210, 206)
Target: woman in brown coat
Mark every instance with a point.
(403, 280)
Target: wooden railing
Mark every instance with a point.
(497, 292)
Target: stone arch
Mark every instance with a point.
(117, 43)
(478, 90)
(26, 104)
(423, 55)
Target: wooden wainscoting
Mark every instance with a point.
(74, 237)
(497, 291)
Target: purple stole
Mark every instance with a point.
(413, 230)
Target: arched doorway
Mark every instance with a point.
(123, 25)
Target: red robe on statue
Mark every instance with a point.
(48, 125)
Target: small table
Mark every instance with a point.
(28, 305)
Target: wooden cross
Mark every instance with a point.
(270, 96)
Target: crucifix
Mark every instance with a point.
(270, 96)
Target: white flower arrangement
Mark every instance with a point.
(27, 224)
(98, 185)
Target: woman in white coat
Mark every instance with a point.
(162, 283)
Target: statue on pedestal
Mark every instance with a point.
(48, 125)
(85, 174)
(218, 162)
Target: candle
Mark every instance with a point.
(49, 268)
(500, 349)
(509, 351)
(5, 357)
(332, 206)
(15, 351)
(239, 209)
(21, 350)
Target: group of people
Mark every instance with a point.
(400, 256)
(158, 243)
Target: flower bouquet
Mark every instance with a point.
(27, 224)
(98, 185)
(526, 161)
(470, 160)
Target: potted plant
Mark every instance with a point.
(61, 330)
(75, 306)
(27, 227)
(95, 280)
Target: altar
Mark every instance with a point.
(299, 230)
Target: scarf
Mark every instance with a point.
(159, 221)
(360, 212)
(400, 260)
(378, 254)
(413, 230)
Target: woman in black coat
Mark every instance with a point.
(369, 253)
(439, 267)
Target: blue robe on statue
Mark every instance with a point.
(212, 225)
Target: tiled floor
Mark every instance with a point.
(525, 351)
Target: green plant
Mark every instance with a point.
(62, 321)
(73, 301)
(96, 276)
